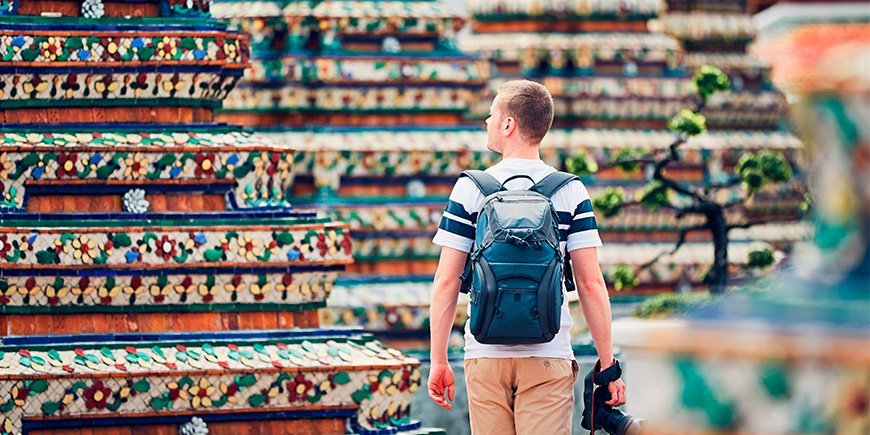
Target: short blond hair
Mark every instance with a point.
(530, 104)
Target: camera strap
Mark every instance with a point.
(600, 379)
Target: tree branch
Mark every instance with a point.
(748, 224)
(680, 241)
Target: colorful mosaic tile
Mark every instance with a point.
(246, 375)
(154, 246)
(93, 292)
(530, 49)
(94, 47)
(699, 26)
(380, 69)
(486, 10)
(349, 99)
(196, 88)
(262, 175)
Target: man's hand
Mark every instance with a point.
(617, 393)
(441, 384)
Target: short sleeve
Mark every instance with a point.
(583, 230)
(456, 229)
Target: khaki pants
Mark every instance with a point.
(523, 396)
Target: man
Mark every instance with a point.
(519, 389)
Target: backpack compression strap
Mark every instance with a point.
(548, 186)
(487, 185)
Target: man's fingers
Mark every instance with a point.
(436, 393)
(617, 394)
(450, 391)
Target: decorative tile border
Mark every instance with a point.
(730, 63)
(250, 375)
(492, 10)
(380, 70)
(584, 49)
(87, 248)
(93, 293)
(707, 26)
(262, 175)
(389, 216)
(54, 48)
(395, 248)
(387, 99)
(201, 88)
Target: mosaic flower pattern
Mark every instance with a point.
(206, 87)
(240, 376)
(257, 186)
(89, 293)
(482, 9)
(377, 99)
(18, 46)
(379, 69)
(329, 243)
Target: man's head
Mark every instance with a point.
(521, 114)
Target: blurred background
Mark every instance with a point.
(744, 307)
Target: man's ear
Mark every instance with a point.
(510, 124)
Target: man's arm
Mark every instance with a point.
(595, 302)
(442, 311)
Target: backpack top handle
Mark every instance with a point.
(514, 177)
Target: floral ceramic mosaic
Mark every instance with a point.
(351, 99)
(250, 375)
(374, 69)
(707, 26)
(262, 175)
(196, 88)
(594, 9)
(583, 49)
(86, 293)
(164, 48)
(135, 247)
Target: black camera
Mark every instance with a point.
(599, 415)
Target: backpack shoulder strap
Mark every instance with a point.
(551, 184)
(485, 182)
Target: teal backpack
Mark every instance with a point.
(515, 269)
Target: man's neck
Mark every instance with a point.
(522, 151)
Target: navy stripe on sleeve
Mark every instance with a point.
(583, 207)
(584, 224)
(456, 209)
(457, 228)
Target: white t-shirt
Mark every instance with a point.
(578, 230)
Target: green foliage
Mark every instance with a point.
(761, 259)
(709, 80)
(758, 169)
(610, 202)
(671, 304)
(623, 278)
(626, 159)
(807, 204)
(655, 196)
(688, 122)
(580, 164)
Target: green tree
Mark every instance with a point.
(754, 171)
